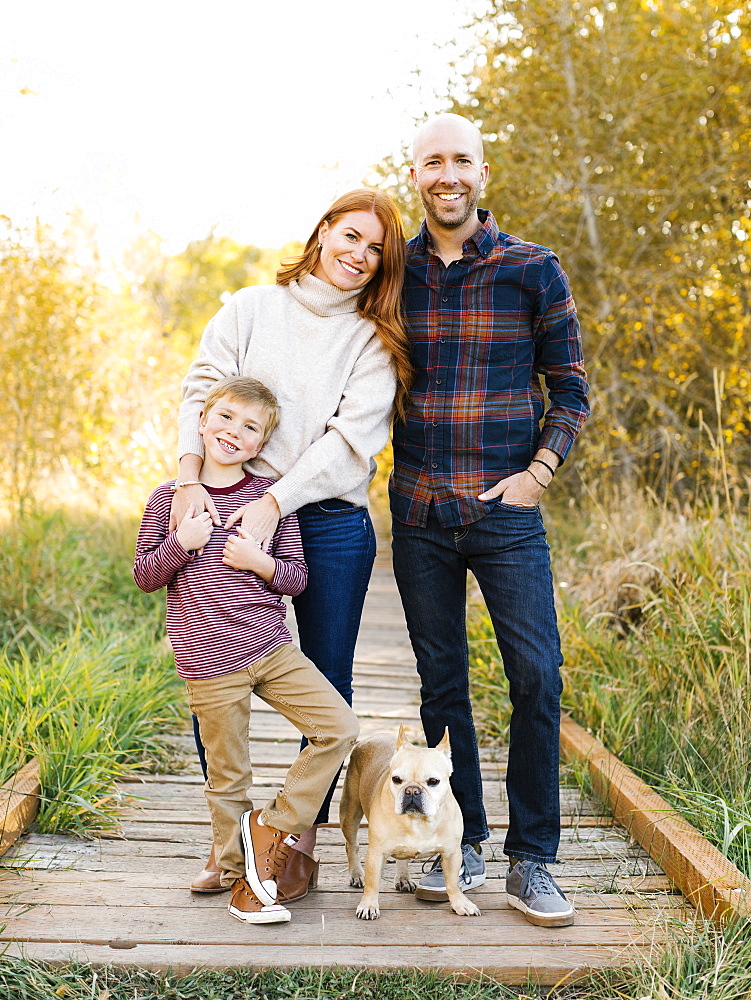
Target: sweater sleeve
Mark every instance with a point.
(159, 555)
(342, 458)
(291, 573)
(218, 358)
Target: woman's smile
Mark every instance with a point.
(351, 249)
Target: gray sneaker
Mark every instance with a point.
(531, 888)
(471, 874)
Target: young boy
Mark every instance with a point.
(225, 619)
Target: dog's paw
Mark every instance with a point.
(466, 908)
(368, 912)
(405, 884)
(356, 881)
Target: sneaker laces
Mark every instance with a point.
(435, 865)
(278, 855)
(464, 875)
(538, 879)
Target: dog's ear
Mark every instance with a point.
(401, 740)
(445, 745)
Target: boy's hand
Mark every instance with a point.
(260, 519)
(194, 530)
(242, 551)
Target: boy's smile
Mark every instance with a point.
(232, 433)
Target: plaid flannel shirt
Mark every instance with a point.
(482, 331)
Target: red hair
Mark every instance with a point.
(381, 299)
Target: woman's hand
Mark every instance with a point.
(197, 497)
(260, 519)
(194, 530)
(189, 470)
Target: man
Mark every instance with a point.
(487, 314)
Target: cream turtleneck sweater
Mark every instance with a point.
(325, 364)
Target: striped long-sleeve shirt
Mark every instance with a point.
(219, 619)
(482, 332)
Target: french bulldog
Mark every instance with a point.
(404, 792)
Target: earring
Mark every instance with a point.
(320, 247)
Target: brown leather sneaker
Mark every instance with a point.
(245, 905)
(266, 853)
(298, 875)
(209, 880)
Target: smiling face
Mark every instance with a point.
(351, 249)
(232, 431)
(449, 172)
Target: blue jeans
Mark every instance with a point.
(340, 546)
(507, 552)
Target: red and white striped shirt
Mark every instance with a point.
(219, 619)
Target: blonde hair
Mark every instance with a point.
(245, 390)
(381, 299)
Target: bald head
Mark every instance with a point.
(457, 132)
(449, 174)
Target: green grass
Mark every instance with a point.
(87, 684)
(59, 567)
(91, 709)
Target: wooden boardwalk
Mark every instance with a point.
(123, 900)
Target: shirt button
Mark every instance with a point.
(445, 298)
(443, 341)
(435, 423)
(434, 465)
(438, 381)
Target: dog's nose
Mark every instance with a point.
(412, 792)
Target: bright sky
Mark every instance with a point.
(176, 115)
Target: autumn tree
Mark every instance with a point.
(52, 398)
(619, 133)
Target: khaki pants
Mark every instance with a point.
(292, 684)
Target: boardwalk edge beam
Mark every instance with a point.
(703, 874)
(19, 803)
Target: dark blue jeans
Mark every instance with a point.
(508, 554)
(340, 547)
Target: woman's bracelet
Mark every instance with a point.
(539, 483)
(186, 482)
(539, 461)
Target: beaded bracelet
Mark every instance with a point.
(188, 482)
(536, 479)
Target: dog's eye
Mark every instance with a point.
(434, 781)
(396, 779)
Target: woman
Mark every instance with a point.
(328, 340)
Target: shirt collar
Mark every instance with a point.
(479, 243)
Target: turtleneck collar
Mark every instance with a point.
(322, 298)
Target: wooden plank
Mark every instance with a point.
(19, 803)
(515, 966)
(707, 878)
(129, 889)
(340, 928)
(176, 875)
